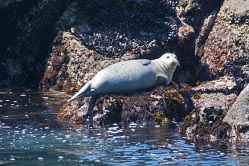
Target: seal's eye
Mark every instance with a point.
(167, 57)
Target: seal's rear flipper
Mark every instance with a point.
(82, 93)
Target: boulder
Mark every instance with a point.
(238, 116)
(227, 43)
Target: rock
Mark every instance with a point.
(211, 100)
(193, 31)
(26, 30)
(81, 63)
(116, 39)
(185, 32)
(162, 104)
(216, 94)
(224, 84)
(224, 57)
(107, 30)
(238, 115)
(227, 39)
(6, 3)
(239, 70)
(204, 32)
(87, 40)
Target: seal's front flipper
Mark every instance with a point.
(83, 92)
(161, 79)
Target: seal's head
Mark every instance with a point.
(169, 61)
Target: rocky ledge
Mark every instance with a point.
(161, 105)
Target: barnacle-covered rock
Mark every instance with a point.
(212, 100)
(223, 84)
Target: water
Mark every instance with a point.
(31, 135)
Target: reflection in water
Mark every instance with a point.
(31, 135)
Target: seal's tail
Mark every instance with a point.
(82, 93)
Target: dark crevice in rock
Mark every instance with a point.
(224, 91)
(192, 15)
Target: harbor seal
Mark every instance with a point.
(132, 75)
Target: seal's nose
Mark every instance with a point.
(176, 63)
